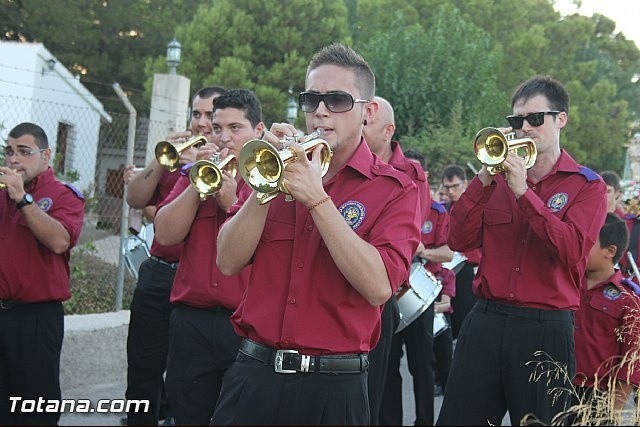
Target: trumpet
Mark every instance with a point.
(492, 146)
(262, 165)
(3, 186)
(206, 175)
(168, 154)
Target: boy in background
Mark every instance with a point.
(606, 329)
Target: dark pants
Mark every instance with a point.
(253, 394)
(148, 339)
(379, 357)
(443, 353)
(464, 299)
(418, 338)
(505, 360)
(202, 346)
(30, 344)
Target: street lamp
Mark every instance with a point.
(173, 55)
(292, 108)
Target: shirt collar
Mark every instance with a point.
(41, 180)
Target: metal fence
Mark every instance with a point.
(89, 151)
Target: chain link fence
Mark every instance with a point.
(89, 151)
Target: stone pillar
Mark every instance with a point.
(169, 107)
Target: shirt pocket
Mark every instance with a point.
(275, 231)
(495, 217)
(607, 316)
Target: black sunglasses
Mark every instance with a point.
(534, 119)
(336, 102)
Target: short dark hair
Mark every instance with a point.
(453, 171)
(208, 92)
(343, 56)
(551, 88)
(415, 155)
(32, 129)
(611, 178)
(614, 232)
(241, 99)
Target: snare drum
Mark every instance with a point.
(414, 300)
(440, 324)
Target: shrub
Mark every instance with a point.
(93, 284)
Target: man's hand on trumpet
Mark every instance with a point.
(226, 196)
(12, 179)
(303, 177)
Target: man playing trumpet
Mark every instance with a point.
(321, 266)
(202, 343)
(535, 228)
(147, 342)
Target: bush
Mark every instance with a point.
(93, 284)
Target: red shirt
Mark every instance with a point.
(30, 272)
(167, 181)
(198, 281)
(413, 171)
(534, 250)
(606, 330)
(296, 297)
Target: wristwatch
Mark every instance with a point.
(27, 199)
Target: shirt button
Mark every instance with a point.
(300, 264)
(292, 301)
(511, 295)
(604, 308)
(309, 227)
(517, 268)
(533, 188)
(215, 285)
(376, 167)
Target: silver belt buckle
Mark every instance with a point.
(280, 358)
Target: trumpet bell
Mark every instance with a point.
(206, 176)
(168, 154)
(492, 146)
(262, 165)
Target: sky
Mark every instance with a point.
(625, 13)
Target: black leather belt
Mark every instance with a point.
(9, 304)
(290, 361)
(173, 265)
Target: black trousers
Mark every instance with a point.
(418, 338)
(506, 360)
(30, 344)
(254, 394)
(148, 339)
(464, 299)
(443, 353)
(202, 346)
(379, 357)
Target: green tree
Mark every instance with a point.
(425, 73)
(245, 44)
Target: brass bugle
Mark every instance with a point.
(3, 186)
(206, 175)
(492, 146)
(262, 165)
(168, 154)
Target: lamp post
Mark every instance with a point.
(292, 108)
(173, 55)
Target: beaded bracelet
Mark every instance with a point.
(318, 203)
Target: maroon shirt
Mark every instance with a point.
(413, 171)
(606, 331)
(29, 272)
(534, 249)
(198, 281)
(171, 253)
(297, 298)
